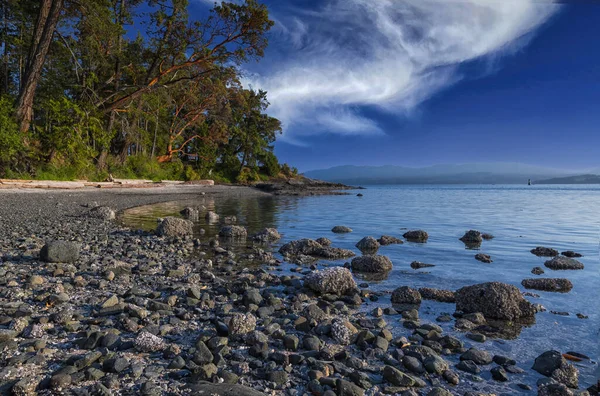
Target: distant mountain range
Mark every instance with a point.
(477, 173)
(580, 179)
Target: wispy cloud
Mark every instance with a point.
(388, 54)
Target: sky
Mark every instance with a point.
(423, 82)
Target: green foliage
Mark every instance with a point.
(247, 175)
(11, 140)
(271, 164)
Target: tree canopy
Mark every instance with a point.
(133, 87)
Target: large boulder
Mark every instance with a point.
(334, 280)
(472, 237)
(102, 213)
(310, 247)
(547, 362)
(175, 227)
(233, 231)
(371, 264)
(548, 284)
(406, 295)
(418, 236)
(368, 244)
(563, 263)
(428, 293)
(267, 235)
(541, 251)
(60, 252)
(494, 300)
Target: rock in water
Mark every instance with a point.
(267, 235)
(406, 295)
(494, 300)
(60, 252)
(313, 248)
(389, 240)
(190, 213)
(334, 280)
(368, 244)
(418, 236)
(547, 362)
(341, 230)
(211, 217)
(208, 389)
(541, 251)
(472, 237)
(563, 263)
(428, 293)
(571, 254)
(372, 264)
(102, 213)
(548, 284)
(233, 231)
(174, 227)
(484, 258)
(418, 265)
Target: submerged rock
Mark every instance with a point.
(537, 271)
(553, 364)
(484, 258)
(406, 295)
(418, 236)
(541, 251)
(174, 227)
(190, 213)
(494, 300)
(334, 280)
(373, 264)
(418, 265)
(563, 263)
(571, 254)
(102, 213)
(60, 252)
(548, 284)
(341, 230)
(267, 235)
(211, 217)
(487, 237)
(389, 240)
(368, 244)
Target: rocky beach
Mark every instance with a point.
(89, 306)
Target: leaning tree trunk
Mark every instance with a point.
(42, 38)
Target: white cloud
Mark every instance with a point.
(388, 54)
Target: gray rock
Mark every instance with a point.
(406, 295)
(571, 254)
(548, 284)
(547, 362)
(418, 265)
(342, 331)
(413, 364)
(477, 356)
(175, 227)
(341, 229)
(567, 374)
(333, 280)
(435, 365)
(397, 377)
(240, 324)
(371, 264)
(563, 263)
(368, 244)
(324, 241)
(428, 293)
(418, 236)
(537, 271)
(102, 213)
(233, 231)
(190, 213)
(499, 374)
(211, 217)
(472, 237)
(541, 251)
(267, 235)
(494, 300)
(147, 342)
(554, 389)
(311, 247)
(389, 240)
(345, 388)
(60, 252)
(469, 366)
(210, 389)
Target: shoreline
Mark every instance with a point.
(76, 326)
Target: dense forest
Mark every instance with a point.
(133, 88)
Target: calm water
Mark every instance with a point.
(520, 218)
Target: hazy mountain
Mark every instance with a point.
(579, 179)
(478, 173)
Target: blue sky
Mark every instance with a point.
(422, 82)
